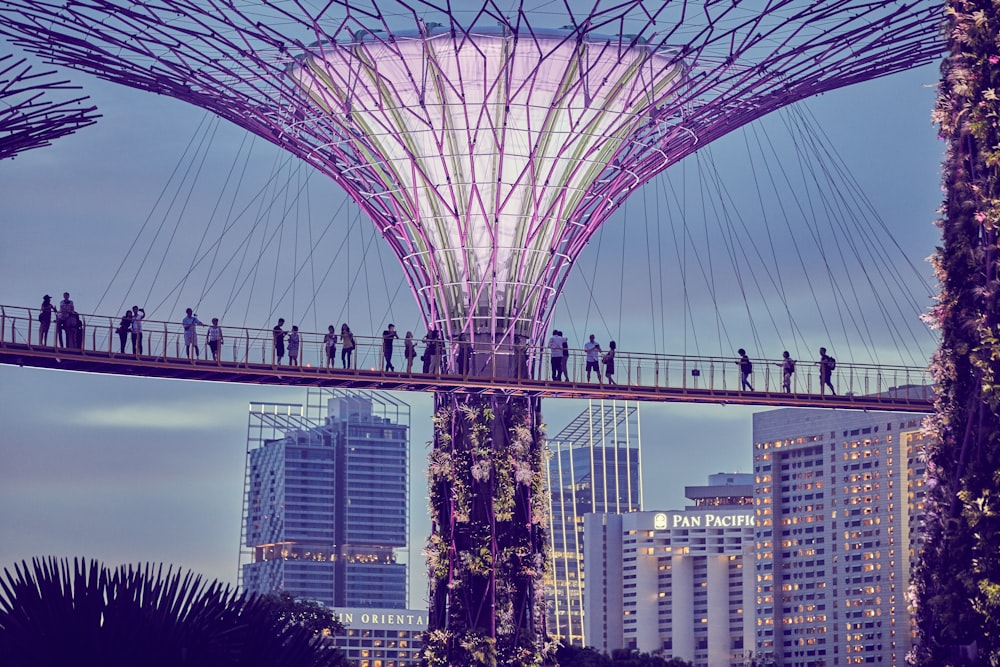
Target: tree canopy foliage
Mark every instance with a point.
(57, 612)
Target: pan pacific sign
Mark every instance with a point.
(662, 521)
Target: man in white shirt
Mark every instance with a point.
(556, 352)
(593, 350)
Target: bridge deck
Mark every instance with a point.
(911, 399)
(640, 376)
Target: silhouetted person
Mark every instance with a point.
(44, 319)
(787, 370)
(293, 346)
(609, 362)
(330, 343)
(388, 335)
(279, 339)
(346, 345)
(826, 366)
(138, 315)
(556, 354)
(746, 369)
(409, 351)
(124, 329)
(65, 308)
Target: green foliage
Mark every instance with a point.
(956, 588)
(318, 618)
(53, 612)
(486, 556)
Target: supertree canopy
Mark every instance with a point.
(30, 117)
(487, 145)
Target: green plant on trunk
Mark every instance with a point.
(956, 584)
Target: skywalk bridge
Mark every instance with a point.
(248, 357)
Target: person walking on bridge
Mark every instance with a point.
(746, 370)
(787, 370)
(213, 338)
(190, 324)
(346, 345)
(826, 366)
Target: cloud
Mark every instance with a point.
(184, 415)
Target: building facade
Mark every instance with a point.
(595, 467)
(676, 582)
(326, 505)
(381, 637)
(837, 498)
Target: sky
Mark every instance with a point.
(134, 470)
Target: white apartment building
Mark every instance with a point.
(837, 495)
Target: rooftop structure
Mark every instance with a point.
(595, 467)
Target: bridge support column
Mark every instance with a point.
(487, 551)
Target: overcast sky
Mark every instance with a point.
(125, 469)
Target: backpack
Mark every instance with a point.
(832, 362)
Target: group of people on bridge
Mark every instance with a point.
(434, 360)
(558, 346)
(787, 365)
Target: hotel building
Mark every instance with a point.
(325, 515)
(676, 582)
(837, 495)
(381, 637)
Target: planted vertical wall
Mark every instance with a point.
(957, 583)
(487, 553)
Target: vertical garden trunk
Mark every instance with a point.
(487, 551)
(957, 581)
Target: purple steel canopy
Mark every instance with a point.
(29, 117)
(486, 147)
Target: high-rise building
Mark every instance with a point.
(595, 467)
(676, 582)
(326, 499)
(837, 496)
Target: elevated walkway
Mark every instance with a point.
(641, 377)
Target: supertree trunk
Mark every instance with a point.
(487, 550)
(957, 581)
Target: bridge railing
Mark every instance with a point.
(164, 342)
